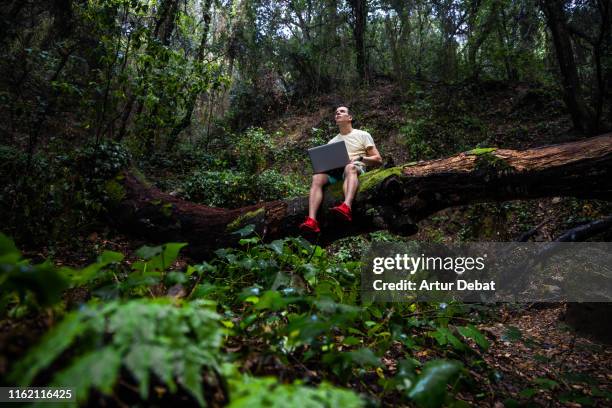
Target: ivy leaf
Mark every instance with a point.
(277, 246)
(157, 258)
(170, 253)
(429, 390)
(444, 336)
(245, 231)
(473, 333)
(248, 241)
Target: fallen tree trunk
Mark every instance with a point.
(394, 198)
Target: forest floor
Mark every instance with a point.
(533, 354)
(537, 355)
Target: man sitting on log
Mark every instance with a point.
(362, 153)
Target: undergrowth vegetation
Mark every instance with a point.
(286, 300)
(240, 171)
(51, 195)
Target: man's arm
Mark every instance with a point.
(372, 157)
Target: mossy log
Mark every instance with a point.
(395, 198)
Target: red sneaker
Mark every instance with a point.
(343, 211)
(310, 225)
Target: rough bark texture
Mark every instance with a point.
(394, 198)
(581, 115)
(359, 10)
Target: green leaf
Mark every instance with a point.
(272, 300)
(146, 252)
(247, 392)
(473, 333)
(528, 393)
(157, 258)
(170, 253)
(248, 241)
(363, 357)
(546, 383)
(98, 369)
(512, 333)
(444, 336)
(192, 380)
(429, 390)
(277, 246)
(108, 257)
(245, 231)
(351, 341)
(85, 275)
(578, 398)
(7, 247)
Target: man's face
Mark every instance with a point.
(342, 115)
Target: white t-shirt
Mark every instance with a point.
(357, 142)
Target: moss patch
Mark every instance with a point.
(242, 220)
(481, 150)
(373, 178)
(114, 191)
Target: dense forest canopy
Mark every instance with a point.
(148, 70)
(129, 123)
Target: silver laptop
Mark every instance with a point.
(328, 157)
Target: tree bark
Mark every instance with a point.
(582, 117)
(394, 198)
(359, 10)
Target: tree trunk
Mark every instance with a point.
(360, 15)
(394, 199)
(582, 118)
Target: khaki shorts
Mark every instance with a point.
(336, 175)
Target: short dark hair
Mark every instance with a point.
(348, 109)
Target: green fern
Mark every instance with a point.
(145, 336)
(267, 392)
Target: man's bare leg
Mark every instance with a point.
(316, 194)
(351, 183)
